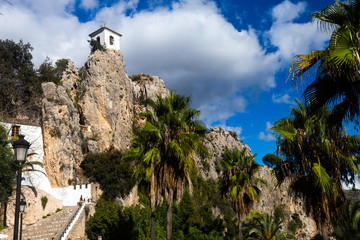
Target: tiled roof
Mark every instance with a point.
(101, 29)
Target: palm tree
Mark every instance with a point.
(338, 76)
(263, 227)
(316, 159)
(164, 151)
(239, 180)
(348, 226)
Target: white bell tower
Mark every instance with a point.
(107, 37)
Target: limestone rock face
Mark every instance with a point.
(70, 79)
(148, 87)
(273, 196)
(34, 209)
(61, 134)
(106, 101)
(216, 140)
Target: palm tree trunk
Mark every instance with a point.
(153, 222)
(324, 232)
(153, 206)
(5, 210)
(239, 220)
(169, 218)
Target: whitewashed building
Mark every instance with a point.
(71, 195)
(107, 37)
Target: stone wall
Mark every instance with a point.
(34, 209)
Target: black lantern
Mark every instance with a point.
(22, 210)
(22, 206)
(21, 146)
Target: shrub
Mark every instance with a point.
(280, 213)
(114, 175)
(95, 45)
(295, 223)
(44, 201)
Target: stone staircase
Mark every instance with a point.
(49, 227)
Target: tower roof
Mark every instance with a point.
(102, 29)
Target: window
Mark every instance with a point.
(98, 39)
(15, 132)
(111, 40)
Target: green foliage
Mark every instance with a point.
(61, 65)
(70, 181)
(114, 175)
(55, 132)
(338, 66)
(263, 227)
(96, 45)
(49, 73)
(20, 83)
(15, 59)
(239, 181)
(107, 222)
(295, 223)
(317, 159)
(348, 225)
(164, 148)
(280, 214)
(44, 201)
(7, 165)
(192, 218)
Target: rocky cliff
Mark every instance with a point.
(96, 108)
(272, 197)
(93, 110)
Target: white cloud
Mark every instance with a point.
(89, 4)
(287, 11)
(267, 135)
(190, 45)
(294, 38)
(282, 99)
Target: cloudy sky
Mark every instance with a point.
(232, 56)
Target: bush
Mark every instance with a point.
(114, 175)
(280, 213)
(295, 223)
(44, 201)
(95, 45)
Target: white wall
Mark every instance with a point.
(116, 44)
(105, 39)
(69, 195)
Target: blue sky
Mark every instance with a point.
(232, 56)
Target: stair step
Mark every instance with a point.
(47, 228)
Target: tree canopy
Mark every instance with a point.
(20, 85)
(164, 150)
(7, 165)
(316, 159)
(337, 80)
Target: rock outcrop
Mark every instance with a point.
(97, 108)
(94, 109)
(61, 135)
(216, 141)
(34, 208)
(105, 100)
(272, 196)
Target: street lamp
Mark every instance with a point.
(22, 210)
(21, 147)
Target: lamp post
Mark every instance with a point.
(21, 147)
(22, 210)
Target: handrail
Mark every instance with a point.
(64, 228)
